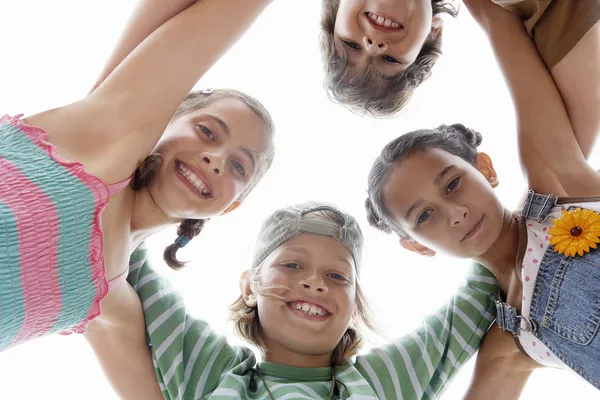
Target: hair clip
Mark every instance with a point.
(182, 241)
(208, 91)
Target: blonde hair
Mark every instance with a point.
(247, 323)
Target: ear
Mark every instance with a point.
(416, 247)
(483, 163)
(246, 289)
(437, 26)
(232, 207)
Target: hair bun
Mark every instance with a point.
(472, 137)
(374, 218)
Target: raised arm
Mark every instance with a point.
(119, 123)
(146, 18)
(421, 364)
(501, 370)
(175, 335)
(550, 154)
(119, 341)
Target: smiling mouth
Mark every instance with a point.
(310, 311)
(380, 21)
(473, 231)
(194, 180)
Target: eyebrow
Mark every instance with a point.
(443, 173)
(249, 153)
(437, 181)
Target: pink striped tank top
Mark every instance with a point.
(52, 275)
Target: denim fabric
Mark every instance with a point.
(565, 306)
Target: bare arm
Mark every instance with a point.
(119, 124)
(550, 154)
(119, 341)
(146, 18)
(501, 370)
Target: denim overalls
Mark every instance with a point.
(565, 304)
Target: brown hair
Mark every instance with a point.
(196, 100)
(368, 93)
(247, 323)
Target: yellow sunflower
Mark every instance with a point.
(575, 232)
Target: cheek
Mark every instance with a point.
(345, 20)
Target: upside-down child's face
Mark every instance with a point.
(387, 33)
(210, 156)
(319, 280)
(444, 202)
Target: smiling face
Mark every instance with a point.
(388, 34)
(315, 277)
(209, 157)
(445, 203)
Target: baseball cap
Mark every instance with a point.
(290, 222)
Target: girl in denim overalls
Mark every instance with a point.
(434, 190)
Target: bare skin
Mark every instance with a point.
(450, 216)
(110, 131)
(577, 77)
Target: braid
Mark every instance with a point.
(187, 230)
(144, 174)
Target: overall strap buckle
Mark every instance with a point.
(537, 206)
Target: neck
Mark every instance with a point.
(500, 259)
(147, 218)
(277, 354)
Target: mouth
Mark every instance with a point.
(382, 23)
(194, 179)
(474, 231)
(309, 310)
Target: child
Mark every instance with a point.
(434, 190)
(59, 258)
(377, 52)
(302, 306)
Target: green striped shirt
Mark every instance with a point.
(193, 362)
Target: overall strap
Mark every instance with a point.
(508, 319)
(537, 206)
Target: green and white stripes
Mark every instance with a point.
(192, 362)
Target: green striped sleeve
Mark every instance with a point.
(189, 358)
(421, 364)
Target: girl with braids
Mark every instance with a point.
(302, 306)
(435, 190)
(70, 226)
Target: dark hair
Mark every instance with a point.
(455, 139)
(367, 93)
(147, 169)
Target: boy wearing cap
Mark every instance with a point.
(302, 306)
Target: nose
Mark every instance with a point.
(458, 214)
(374, 46)
(215, 161)
(313, 284)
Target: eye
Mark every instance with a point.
(351, 45)
(291, 265)
(337, 277)
(451, 187)
(239, 168)
(424, 216)
(207, 132)
(390, 60)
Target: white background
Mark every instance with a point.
(52, 51)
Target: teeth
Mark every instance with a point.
(193, 179)
(379, 20)
(310, 309)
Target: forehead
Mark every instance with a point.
(243, 123)
(318, 248)
(413, 177)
